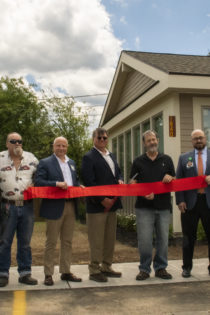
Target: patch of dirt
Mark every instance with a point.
(126, 249)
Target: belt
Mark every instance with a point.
(17, 203)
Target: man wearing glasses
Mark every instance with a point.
(194, 204)
(17, 168)
(99, 167)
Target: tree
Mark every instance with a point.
(67, 120)
(21, 112)
(39, 122)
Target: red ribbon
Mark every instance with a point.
(141, 189)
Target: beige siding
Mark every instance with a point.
(186, 122)
(135, 85)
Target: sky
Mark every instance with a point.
(71, 47)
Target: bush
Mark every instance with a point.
(127, 222)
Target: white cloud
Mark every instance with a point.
(208, 14)
(123, 20)
(64, 44)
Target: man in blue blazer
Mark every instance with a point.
(60, 171)
(194, 204)
(99, 167)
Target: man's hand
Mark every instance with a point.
(120, 182)
(62, 185)
(133, 181)
(207, 179)
(167, 179)
(150, 196)
(82, 186)
(182, 207)
(107, 202)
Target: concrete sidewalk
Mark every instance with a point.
(129, 272)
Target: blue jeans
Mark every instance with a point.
(21, 221)
(150, 221)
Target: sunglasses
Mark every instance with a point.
(14, 141)
(104, 138)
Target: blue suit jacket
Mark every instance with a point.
(95, 172)
(47, 174)
(185, 170)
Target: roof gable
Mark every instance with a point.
(175, 64)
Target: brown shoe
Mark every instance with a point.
(112, 274)
(142, 276)
(98, 277)
(48, 280)
(70, 277)
(4, 281)
(163, 274)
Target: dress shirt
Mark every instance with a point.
(204, 158)
(65, 170)
(108, 159)
(13, 182)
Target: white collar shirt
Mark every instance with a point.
(108, 159)
(65, 170)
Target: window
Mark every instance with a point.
(128, 154)
(136, 142)
(121, 153)
(114, 147)
(145, 126)
(206, 124)
(158, 127)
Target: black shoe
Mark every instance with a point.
(209, 269)
(98, 277)
(48, 280)
(3, 281)
(163, 274)
(70, 277)
(28, 280)
(186, 273)
(142, 276)
(112, 274)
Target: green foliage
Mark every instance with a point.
(201, 236)
(39, 123)
(21, 112)
(67, 120)
(127, 222)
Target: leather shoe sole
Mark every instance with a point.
(70, 277)
(98, 277)
(48, 280)
(186, 273)
(28, 280)
(112, 274)
(3, 281)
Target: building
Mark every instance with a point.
(169, 93)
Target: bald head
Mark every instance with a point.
(198, 139)
(60, 146)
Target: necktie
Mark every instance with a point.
(200, 169)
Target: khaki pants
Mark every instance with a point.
(63, 227)
(101, 236)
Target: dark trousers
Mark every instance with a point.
(189, 221)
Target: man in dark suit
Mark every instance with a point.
(58, 170)
(194, 204)
(99, 167)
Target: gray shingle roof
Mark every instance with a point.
(175, 64)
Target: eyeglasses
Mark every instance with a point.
(198, 138)
(104, 138)
(14, 141)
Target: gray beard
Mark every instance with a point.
(153, 149)
(18, 151)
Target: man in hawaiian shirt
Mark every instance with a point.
(17, 168)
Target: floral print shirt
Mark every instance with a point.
(13, 182)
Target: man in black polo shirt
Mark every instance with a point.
(153, 212)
